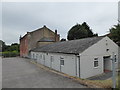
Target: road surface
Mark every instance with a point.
(20, 73)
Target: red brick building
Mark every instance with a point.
(37, 38)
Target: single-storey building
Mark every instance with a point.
(82, 58)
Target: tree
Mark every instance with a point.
(115, 34)
(12, 47)
(80, 31)
(90, 33)
(2, 46)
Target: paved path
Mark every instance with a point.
(20, 73)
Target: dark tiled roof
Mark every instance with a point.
(70, 47)
(45, 39)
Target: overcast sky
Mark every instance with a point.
(21, 17)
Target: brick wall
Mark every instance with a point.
(29, 41)
(24, 46)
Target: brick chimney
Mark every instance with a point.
(55, 35)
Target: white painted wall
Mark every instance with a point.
(119, 54)
(69, 66)
(97, 50)
(71, 62)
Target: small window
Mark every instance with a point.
(96, 62)
(61, 62)
(106, 44)
(107, 50)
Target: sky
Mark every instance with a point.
(18, 18)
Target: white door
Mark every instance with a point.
(61, 64)
(51, 61)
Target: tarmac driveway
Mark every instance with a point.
(20, 73)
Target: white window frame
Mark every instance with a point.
(62, 59)
(51, 58)
(96, 60)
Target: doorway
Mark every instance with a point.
(106, 64)
(51, 61)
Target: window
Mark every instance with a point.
(33, 56)
(40, 56)
(106, 44)
(36, 56)
(61, 62)
(95, 62)
(52, 58)
(115, 58)
(107, 50)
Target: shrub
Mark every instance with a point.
(10, 54)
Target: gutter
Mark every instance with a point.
(78, 64)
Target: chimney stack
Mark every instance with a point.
(44, 26)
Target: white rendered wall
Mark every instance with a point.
(97, 50)
(70, 62)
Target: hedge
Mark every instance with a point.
(9, 54)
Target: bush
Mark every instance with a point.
(10, 54)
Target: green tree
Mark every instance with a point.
(115, 34)
(89, 31)
(2, 46)
(80, 31)
(14, 47)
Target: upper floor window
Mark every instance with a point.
(107, 50)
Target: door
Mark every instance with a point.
(106, 64)
(43, 59)
(51, 61)
(61, 64)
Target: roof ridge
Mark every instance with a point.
(72, 46)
